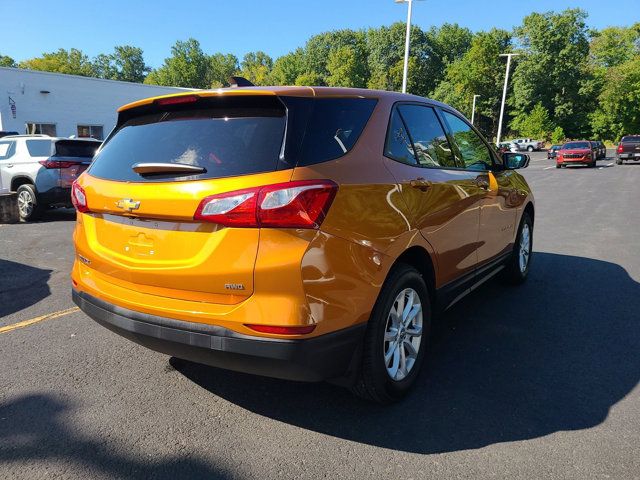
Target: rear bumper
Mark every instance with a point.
(315, 359)
(629, 156)
(55, 196)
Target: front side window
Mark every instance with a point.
(474, 152)
(429, 140)
(41, 129)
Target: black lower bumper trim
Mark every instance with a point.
(321, 358)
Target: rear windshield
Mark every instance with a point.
(234, 136)
(631, 139)
(76, 148)
(573, 145)
(39, 148)
(224, 143)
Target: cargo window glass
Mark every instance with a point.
(334, 127)
(429, 140)
(475, 153)
(71, 148)
(39, 148)
(223, 141)
(5, 150)
(398, 145)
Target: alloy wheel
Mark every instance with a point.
(525, 247)
(403, 334)
(25, 203)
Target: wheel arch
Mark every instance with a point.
(530, 210)
(420, 259)
(20, 180)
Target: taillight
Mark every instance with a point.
(55, 164)
(277, 330)
(79, 198)
(620, 149)
(301, 204)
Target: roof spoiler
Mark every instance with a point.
(235, 82)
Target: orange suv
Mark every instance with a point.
(301, 233)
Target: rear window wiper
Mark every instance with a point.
(166, 169)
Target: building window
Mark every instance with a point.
(90, 131)
(41, 129)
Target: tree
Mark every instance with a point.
(288, 68)
(346, 69)
(6, 61)
(618, 113)
(444, 45)
(72, 62)
(479, 71)
(256, 67)
(319, 47)
(221, 68)
(534, 124)
(613, 46)
(126, 64)
(187, 67)
(558, 136)
(553, 70)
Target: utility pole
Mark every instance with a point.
(407, 39)
(504, 92)
(473, 109)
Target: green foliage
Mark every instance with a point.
(309, 79)
(288, 68)
(221, 68)
(6, 61)
(618, 113)
(534, 124)
(346, 69)
(552, 70)
(612, 46)
(478, 72)
(126, 64)
(188, 66)
(256, 67)
(558, 136)
(72, 62)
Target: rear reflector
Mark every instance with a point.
(282, 330)
(300, 204)
(79, 198)
(177, 100)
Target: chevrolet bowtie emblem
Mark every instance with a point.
(128, 204)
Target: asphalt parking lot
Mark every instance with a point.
(538, 381)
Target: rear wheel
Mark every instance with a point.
(558, 165)
(28, 206)
(517, 267)
(529, 148)
(618, 161)
(396, 338)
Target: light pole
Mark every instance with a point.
(504, 92)
(473, 109)
(406, 45)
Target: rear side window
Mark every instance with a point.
(398, 145)
(39, 148)
(475, 153)
(334, 126)
(71, 148)
(6, 149)
(223, 141)
(429, 140)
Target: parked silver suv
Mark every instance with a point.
(41, 169)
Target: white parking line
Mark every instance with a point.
(547, 168)
(609, 164)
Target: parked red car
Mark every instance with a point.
(576, 153)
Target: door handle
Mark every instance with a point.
(420, 183)
(482, 183)
(9, 165)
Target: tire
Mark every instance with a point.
(592, 164)
(514, 273)
(618, 161)
(529, 148)
(558, 165)
(28, 207)
(375, 381)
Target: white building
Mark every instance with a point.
(63, 105)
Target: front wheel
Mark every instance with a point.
(619, 161)
(517, 267)
(396, 338)
(529, 148)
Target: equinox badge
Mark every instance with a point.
(128, 204)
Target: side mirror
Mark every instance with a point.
(514, 161)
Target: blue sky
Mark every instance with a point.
(275, 26)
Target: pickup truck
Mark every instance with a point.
(528, 144)
(628, 149)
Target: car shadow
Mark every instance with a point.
(57, 215)
(35, 428)
(21, 286)
(510, 364)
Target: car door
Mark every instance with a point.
(7, 151)
(443, 200)
(498, 212)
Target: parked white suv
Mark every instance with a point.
(41, 169)
(528, 144)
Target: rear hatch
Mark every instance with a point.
(71, 158)
(630, 144)
(141, 229)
